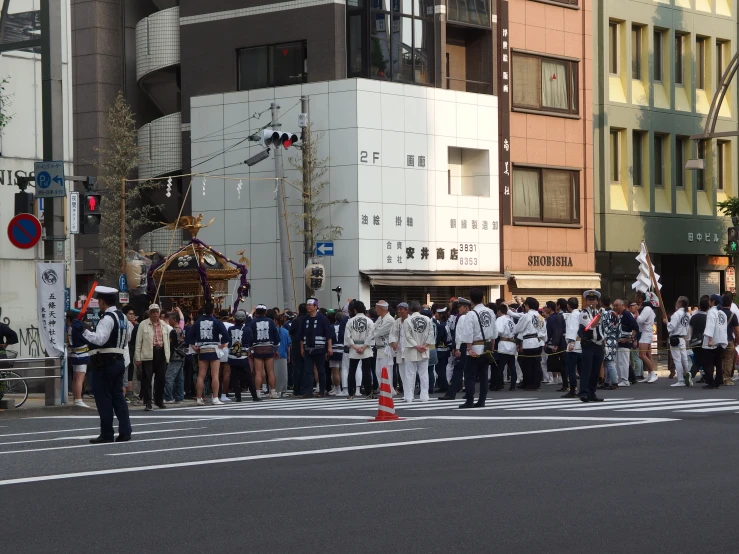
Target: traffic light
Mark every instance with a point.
(270, 137)
(91, 213)
(23, 203)
(733, 241)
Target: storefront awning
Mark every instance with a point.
(551, 281)
(433, 278)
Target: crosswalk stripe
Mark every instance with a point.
(612, 405)
(726, 408)
(690, 404)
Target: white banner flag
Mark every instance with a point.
(50, 287)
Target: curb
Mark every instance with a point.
(68, 409)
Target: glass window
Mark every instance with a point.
(636, 40)
(659, 161)
(545, 195)
(720, 67)
(472, 12)
(272, 66)
(380, 46)
(700, 174)
(613, 46)
(354, 45)
(722, 150)
(545, 84)
(700, 63)
(680, 145)
(657, 55)
(637, 158)
(679, 59)
(615, 157)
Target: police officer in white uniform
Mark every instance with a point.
(593, 349)
(476, 331)
(109, 343)
(678, 329)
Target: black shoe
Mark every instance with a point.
(466, 405)
(499, 388)
(478, 405)
(161, 406)
(512, 389)
(584, 399)
(445, 397)
(101, 439)
(122, 438)
(595, 399)
(256, 399)
(237, 399)
(307, 396)
(563, 389)
(148, 408)
(709, 387)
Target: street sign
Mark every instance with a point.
(123, 283)
(49, 179)
(325, 248)
(74, 212)
(67, 299)
(24, 231)
(123, 298)
(730, 277)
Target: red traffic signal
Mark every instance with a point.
(92, 203)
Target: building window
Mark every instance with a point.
(722, 150)
(659, 160)
(636, 44)
(402, 41)
(472, 13)
(700, 62)
(638, 157)
(700, 174)
(272, 66)
(680, 146)
(543, 195)
(613, 46)
(720, 57)
(469, 172)
(657, 61)
(679, 61)
(545, 84)
(615, 156)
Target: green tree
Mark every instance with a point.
(117, 161)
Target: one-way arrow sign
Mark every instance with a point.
(325, 248)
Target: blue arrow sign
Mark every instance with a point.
(325, 248)
(49, 179)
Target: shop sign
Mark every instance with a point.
(550, 261)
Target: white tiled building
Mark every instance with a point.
(417, 167)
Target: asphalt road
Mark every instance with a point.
(281, 476)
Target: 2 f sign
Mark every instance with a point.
(364, 157)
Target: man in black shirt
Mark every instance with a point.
(296, 359)
(732, 332)
(697, 327)
(315, 348)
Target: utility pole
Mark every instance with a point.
(308, 245)
(123, 226)
(287, 284)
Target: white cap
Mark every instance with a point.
(105, 290)
(382, 304)
(261, 307)
(154, 307)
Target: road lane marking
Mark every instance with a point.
(280, 439)
(40, 478)
(83, 437)
(92, 428)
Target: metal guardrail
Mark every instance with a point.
(53, 368)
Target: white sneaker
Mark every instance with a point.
(688, 379)
(332, 392)
(200, 402)
(652, 377)
(342, 393)
(216, 402)
(678, 384)
(225, 398)
(169, 401)
(624, 383)
(552, 382)
(80, 404)
(642, 379)
(273, 395)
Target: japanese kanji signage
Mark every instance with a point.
(504, 116)
(50, 289)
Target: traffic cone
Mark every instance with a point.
(385, 408)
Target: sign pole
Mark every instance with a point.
(655, 284)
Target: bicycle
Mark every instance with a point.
(12, 385)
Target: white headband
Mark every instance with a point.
(261, 307)
(382, 304)
(311, 301)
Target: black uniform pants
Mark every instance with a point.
(457, 376)
(530, 362)
(366, 376)
(109, 399)
(590, 362)
(239, 374)
(573, 361)
(475, 367)
(188, 371)
(498, 372)
(158, 369)
(319, 362)
(711, 358)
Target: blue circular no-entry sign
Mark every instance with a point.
(24, 231)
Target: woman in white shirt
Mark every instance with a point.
(646, 330)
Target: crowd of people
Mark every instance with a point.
(426, 349)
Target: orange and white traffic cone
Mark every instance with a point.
(386, 408)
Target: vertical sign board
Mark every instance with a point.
(504, 114)
(74, 212)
